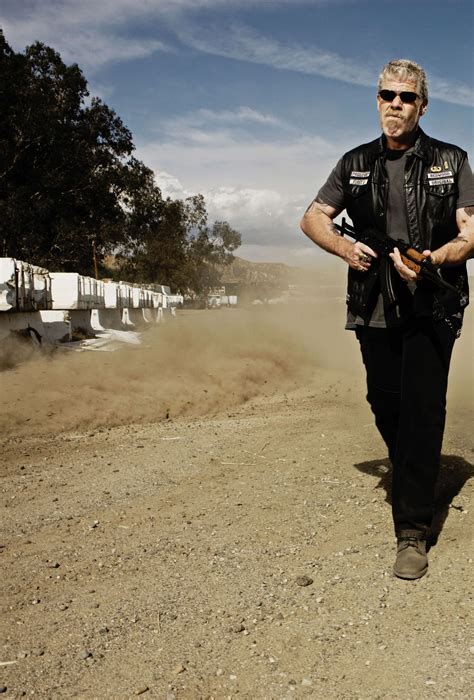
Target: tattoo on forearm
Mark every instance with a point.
(317, 205)
(313, 207)
(460, 239)
(469, 211)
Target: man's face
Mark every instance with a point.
(399, 119)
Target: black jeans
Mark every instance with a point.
(407, 378)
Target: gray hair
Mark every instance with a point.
(407, 70)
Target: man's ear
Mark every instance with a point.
(423, 108)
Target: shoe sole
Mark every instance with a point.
(410, 577)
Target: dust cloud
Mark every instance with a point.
(196, 365)
(200, 364)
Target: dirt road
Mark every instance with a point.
(208, 516)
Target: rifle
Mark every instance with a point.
(411, 255)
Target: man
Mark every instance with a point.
(411, 187)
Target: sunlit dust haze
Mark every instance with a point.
(198, 365)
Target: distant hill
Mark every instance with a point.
(252, 280)
(242, 271)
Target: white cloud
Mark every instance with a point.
(29, 20)
(84, 32)
(217, 128)
(294, 165)
(90, 33)
(120, 11)
(263, 194)
(170, 186)
(101, 90)
(245, 44)
(242, 114)
(262, 216)
(448, 91)
(91, 49)
(248, 202)
(245, 207)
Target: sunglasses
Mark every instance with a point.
(390, 95)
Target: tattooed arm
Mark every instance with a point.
(454, 252)
(317, 225)
(460, 248)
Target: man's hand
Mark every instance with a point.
(317, 224)
(454, 252)
(409, 272)
(359, 257)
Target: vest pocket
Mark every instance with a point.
(356, 191)
(441, 189)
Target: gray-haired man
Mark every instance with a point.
(418, 189)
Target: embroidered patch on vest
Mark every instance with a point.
(358, 173)
(444, 181)
(437, 176)
(352, 181)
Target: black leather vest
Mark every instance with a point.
(431, 192)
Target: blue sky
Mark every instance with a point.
(252, 103)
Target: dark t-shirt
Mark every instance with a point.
(332, 193)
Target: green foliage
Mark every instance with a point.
(61, 162)
(180, 248)
(69, 184)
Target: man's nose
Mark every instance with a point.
(397, 102)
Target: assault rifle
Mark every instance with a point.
(411, 255)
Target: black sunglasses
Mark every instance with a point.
(390, 95)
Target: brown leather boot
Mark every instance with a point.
(411, 561)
